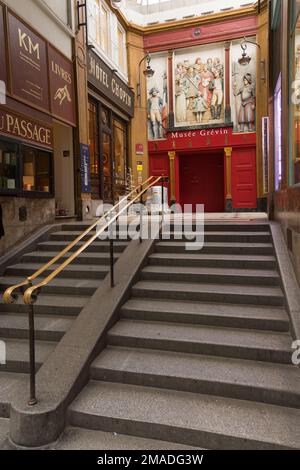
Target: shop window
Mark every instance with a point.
(36, 170)
(278, 135)
(120, 157)
(295, 101)
(107, 167)
(94, 150)
(8, 166)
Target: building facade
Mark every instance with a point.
(205, 108)
(285, 121)
(37, 115)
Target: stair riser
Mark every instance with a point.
(147, 429)
(209, 297)
(24, 334)
(213, 263)
(62, 290)
(211, 278)
(89, 249)
(20, 367)
(226, 238)
(83, 227)
(80, 260)
(239, 352)
(215, 227)
(4, 410)
(70, 237)
(42, 309)
(215, 388)
(209, 320)
(222, 250)
(75, 274)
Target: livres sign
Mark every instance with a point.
(61, 86)
(22, 128)
(28, 57)
(111, 86)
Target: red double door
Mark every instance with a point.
(202, 180)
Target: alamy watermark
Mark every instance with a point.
(143, 221)
(2, 353)
(296, 353)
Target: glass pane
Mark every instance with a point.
(119, 157)
(29, 170)
(121, 49)
(8, 166)
(43, 171)
(107, 175)
(104, 28)
(94, 150)
(296, 102)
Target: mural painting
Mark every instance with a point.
(157, 102)
(199, 86)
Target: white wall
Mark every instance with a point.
(49, 17)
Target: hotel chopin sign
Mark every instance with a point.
(40, 75)
(104, 80)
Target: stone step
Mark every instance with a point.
(186, 418)
(213, 248)
(4, 430)
(8, 382)
(49, 305)
(83, 258)
(73, 271)
(213, 260)
(200, 339)
(95, 247)
(69, 235)
(88, 439)
(241, 379)
(199, 313)
(211, 275)
(61, 286)
(220, 236)
(17, 354)
(48, 328)
(220, 226)
(229, 293)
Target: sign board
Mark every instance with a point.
(29, 66)
(139, 166)
(27, 129)
(139, 149)
(85, 168)
(109, 84)
(265, 153)
(61, 86)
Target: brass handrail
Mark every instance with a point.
(9, 297)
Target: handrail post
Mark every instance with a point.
(162, 204)
(111, 245)
(33, 399)
(141, 216)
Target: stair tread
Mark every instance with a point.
(52, 254)
(8, 381)
(61, 282)
(200, 367)
(199, 256)
(200, 308)
(32, 267)
(212, 232)
(4, 429)
(66, 243)
(163, 331)
(199, 287)
(208, 270)
(41, 323)
(250, 422)
(87, 439)
(56, 300)
(18, 350)
(216, 244)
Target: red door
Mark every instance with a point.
(244, 194)
(202, 180)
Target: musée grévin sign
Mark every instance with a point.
(22, 128)
(40, 75)
(111, 86)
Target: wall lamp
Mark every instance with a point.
(246, 59)
(148, 72)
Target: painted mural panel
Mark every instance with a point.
(157, 102)
(199, 86)
(243, 86)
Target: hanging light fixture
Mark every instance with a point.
(245, 59)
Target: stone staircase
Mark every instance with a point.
(201, 355)
(58, 303)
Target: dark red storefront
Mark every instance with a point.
(208, 166)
